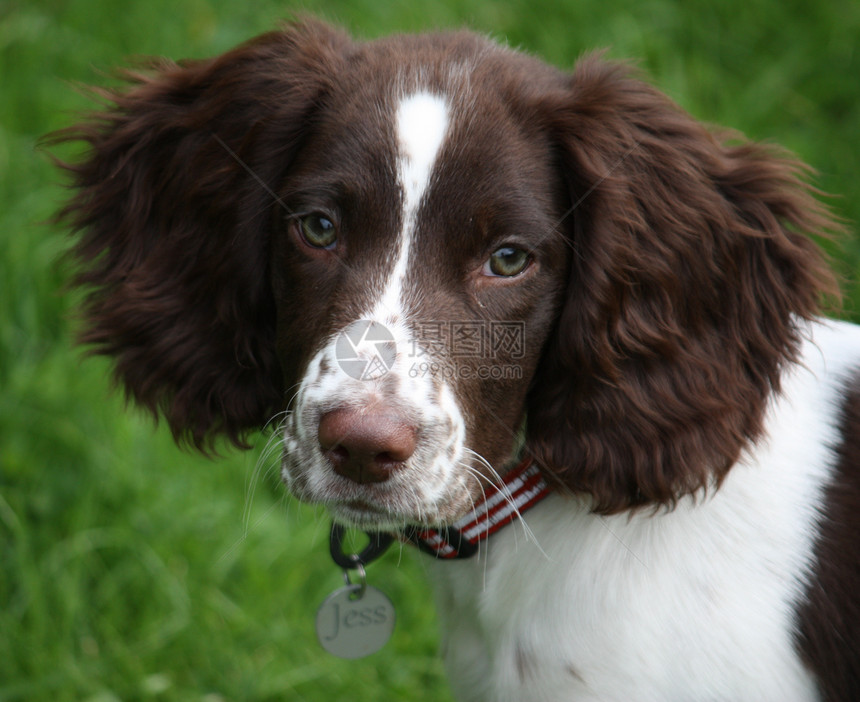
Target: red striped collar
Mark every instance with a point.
(522, 488)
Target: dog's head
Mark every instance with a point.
(420, 256)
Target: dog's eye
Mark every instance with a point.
(507, 262)
(318, 231)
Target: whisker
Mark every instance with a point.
(251, 487)
(506, 494)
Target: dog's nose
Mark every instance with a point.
(364, 446)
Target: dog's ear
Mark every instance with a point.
(690, 281)
(171, 208)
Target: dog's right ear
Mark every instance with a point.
(692, 277)
(171, 209)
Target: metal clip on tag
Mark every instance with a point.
(362, 587)
(357, 619)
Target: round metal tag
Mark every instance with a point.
(352, 624)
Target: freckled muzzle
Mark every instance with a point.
(377, 446)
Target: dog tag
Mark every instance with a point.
(355, 621)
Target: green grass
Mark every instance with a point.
(130, 570)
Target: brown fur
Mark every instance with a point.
(691, 269)
(660, 311)
(828, 620)
(690, 263)
(174, 233)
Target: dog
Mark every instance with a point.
(434, 262)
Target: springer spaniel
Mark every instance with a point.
(426, 258)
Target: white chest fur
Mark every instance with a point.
(660, 608)
(696, 604)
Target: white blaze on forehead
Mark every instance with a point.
(422, 121)
(421, 125)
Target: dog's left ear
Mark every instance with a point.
(171, 208)
(690, 280)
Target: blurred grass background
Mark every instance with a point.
(130, 570)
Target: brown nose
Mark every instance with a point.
(364, 446)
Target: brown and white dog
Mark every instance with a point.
(236, 217)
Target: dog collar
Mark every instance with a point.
(522, 488)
